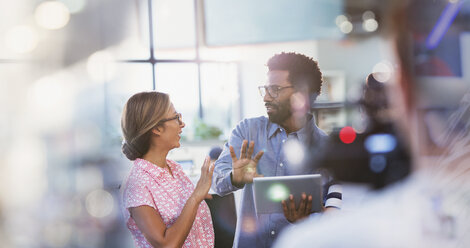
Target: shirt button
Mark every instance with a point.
(281, 164)
(273, 232)
(281, 129)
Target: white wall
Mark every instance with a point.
(354, 57)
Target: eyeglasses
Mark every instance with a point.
(178, 117)
(272, 90)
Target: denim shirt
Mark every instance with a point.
(260, 230)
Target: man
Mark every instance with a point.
(294, 81)
(431, 207)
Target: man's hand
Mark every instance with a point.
(244, 169)
(292, 214)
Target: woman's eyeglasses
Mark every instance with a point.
(178, 117)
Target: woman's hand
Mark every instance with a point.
(244, 169)
(205, 181)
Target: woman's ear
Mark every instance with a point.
(156, 131)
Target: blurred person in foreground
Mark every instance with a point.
(279, 142)
(431, 208)
(377, 155)
(162, 207)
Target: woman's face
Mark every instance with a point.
(171, 128)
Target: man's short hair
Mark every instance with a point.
(302, 70)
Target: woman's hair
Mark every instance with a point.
(141, 113)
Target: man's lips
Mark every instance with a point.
(270, 107)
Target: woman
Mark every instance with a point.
(162, 207)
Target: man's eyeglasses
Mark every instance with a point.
(273, 90)
(178, 117)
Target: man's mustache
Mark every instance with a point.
(270, 105)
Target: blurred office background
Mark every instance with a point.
(68, 66)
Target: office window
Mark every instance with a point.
(220, 95)
(195, 85)
(174, 27)
(180, 80)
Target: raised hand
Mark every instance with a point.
(244, 168)
(204, 183)
(292, 214)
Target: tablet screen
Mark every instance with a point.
(270, 191)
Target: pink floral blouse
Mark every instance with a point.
(148, 184)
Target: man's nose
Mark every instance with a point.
(267, 97)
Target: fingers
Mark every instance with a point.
(233, 155)
(246, 151)
(308, 209)
(285, 210)
(251, 147)
(258, 156)
(205, 165)
(211, 169)
(243, 149)
(291, 205)
(303, 203)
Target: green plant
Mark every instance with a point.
(204, 131)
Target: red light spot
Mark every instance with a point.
(347, 135)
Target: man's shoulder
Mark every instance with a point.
(254, 122)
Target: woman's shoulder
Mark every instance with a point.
(137, 175)
(175, 166)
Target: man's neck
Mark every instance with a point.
(294, 124)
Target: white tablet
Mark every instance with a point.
(270, 191)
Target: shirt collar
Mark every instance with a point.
(310, 129)
(153, 169)
(273, 128)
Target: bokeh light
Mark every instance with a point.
(340, 19)
(278, 192)
(21, 39)
(377, 163)
(298, 103)
(52, 15)
(74, 6)
(380, 143)
(382, 71)
(346, 27)
(249, 225)
(359, 124)
(99, 203)
(368, 15)
(101, 66)
(347, 135)
(370, 25)
(294, 151)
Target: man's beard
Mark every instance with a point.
(283, 112)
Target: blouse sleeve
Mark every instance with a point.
(137, 194)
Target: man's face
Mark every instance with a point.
(279, 107)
